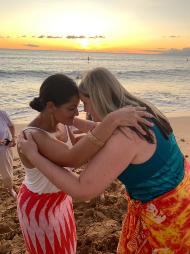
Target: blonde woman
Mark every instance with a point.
(151, 166)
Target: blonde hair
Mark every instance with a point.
(107, 94)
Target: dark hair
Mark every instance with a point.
(57, 88)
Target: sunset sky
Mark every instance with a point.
(146, 26)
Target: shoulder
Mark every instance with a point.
(38, 134)
(3, 114)
(124, 135)
(122, 141)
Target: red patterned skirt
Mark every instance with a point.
(47, 222)
(160, 226)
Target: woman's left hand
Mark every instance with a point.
(133, 116)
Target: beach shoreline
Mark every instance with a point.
(98, 223)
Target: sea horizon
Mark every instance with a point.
(151, 52)
(161, 79)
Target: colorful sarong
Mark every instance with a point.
(160, 226)
(47, 222)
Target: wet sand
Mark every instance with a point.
(98, 222)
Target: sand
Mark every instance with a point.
(98, 222)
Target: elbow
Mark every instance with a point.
(86, 197)
(68, 163)
(81, 194)
(78, 195)
(83, 197)
(87, 193)
(75, 163)
(80, 190)
(87, 190)
(78, 164)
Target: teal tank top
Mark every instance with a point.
(158, 175)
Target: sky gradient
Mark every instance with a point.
(138, 26)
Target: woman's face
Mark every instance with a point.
(65, 113)
(88, 107)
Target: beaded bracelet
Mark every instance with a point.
(94, 139)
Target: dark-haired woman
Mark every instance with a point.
(152, 167)
(46, 213)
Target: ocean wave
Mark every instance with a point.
(128, 74)
(154, 73)
(37, 73)
(163, 80)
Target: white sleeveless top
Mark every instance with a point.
(35, 181)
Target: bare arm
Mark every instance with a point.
(85, 149)
(12, 130)
(84, 125)
(102, 170)
(81, 152)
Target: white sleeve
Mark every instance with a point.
(6, 118)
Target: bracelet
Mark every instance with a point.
(94, 139)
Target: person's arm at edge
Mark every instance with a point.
(12, 131)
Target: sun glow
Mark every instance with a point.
(79, 25)
(84, 43)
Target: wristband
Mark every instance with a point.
(95, 140)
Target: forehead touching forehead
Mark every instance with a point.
(74, 101)
(83, 97)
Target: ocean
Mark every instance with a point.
(164, 80)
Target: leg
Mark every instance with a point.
(6, 170)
